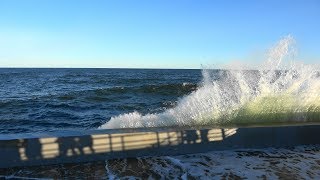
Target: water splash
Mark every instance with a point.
(279, 91)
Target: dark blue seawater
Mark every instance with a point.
(38, 100)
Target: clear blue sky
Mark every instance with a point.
(154, 34)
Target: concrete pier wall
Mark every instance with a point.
(94, 145)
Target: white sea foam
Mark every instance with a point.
(271, 163)
(279, 90)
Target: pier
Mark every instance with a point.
(96, 145)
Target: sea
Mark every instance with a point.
(51, 99)
(280, 90)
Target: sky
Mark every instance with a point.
(152, 33)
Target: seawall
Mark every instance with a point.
(94, 145)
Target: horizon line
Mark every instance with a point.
(19, 67)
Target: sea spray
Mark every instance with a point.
(280, 90)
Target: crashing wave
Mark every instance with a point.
(280, 90)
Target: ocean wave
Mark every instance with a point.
(109, 93)
(277, 92)
(270, 163)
